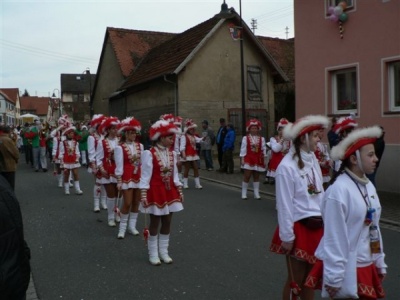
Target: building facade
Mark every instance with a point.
(352, 66)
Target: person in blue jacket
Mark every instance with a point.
(227, 150)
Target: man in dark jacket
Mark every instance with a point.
(227, 148)
(220, 140)
(14, 252)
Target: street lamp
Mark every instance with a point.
(226, 14)
(87, 71)
(59, 101)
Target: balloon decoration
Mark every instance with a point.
(337, 15)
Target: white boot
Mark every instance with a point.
(180, 175)
(256, 187)
(122, 225)
(163, 243)
(103, 197)
(71, 179)
(185, 183)
(197, 183)
(244, 190)
(132, 223)
(66, 188)
(152, 246)
(60, 180)
(110, 212)
(96, 199)
(78, 190)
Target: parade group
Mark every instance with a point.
(328, 210)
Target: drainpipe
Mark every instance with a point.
(176, 94)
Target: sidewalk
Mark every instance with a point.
(390, 202)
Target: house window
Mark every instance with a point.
(254, 83)
(344, 91)
(77, 98)
(394, 85)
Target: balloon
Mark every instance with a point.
(331, 10)
(338, 10)
(343, 4)
(343, 17)
(333, 18)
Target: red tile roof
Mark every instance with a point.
(166, 58)
(283, 53)
(11, 94)
(38, 105)
(131, 46)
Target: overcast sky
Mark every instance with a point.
(39, 40)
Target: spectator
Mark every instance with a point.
(9, 156)
(206, 144)
(333, 137)
(14, 252)
(227, 149)
(26, 144)
(220, 140)
(83, 145)
(43, 148)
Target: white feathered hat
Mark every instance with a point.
(305, 125)
(354, 141)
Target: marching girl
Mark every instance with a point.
(69, 156)
(322, 154)
(342, 128)
(177, 121)
(161, 190)
(299, 192)
(352, 261)
(279, 148)
(94, 139)
(189, 154)
(252, 157)
(177, 145)
(128, 170)
(63, 122)
(106, 163)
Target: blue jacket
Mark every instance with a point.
(229, 141)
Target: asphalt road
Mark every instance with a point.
(219, 244)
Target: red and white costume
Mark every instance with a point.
(188, 142)
(105, 159)
(160, 179)
(279, 146)
(322, 155)
(69, 154)
(253, 151)
(128, 164)
(94, 139)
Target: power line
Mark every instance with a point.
(46, 53)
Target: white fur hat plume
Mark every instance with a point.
(305, 125)
(354, 141)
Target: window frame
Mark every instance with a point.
(329, 3)
(390, 85)
(332, 96)
(252, 94)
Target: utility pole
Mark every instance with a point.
(254, 25)
(287, 32)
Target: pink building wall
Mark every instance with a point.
(371, 35)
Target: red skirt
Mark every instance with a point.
(368, 282)
(305, 243)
